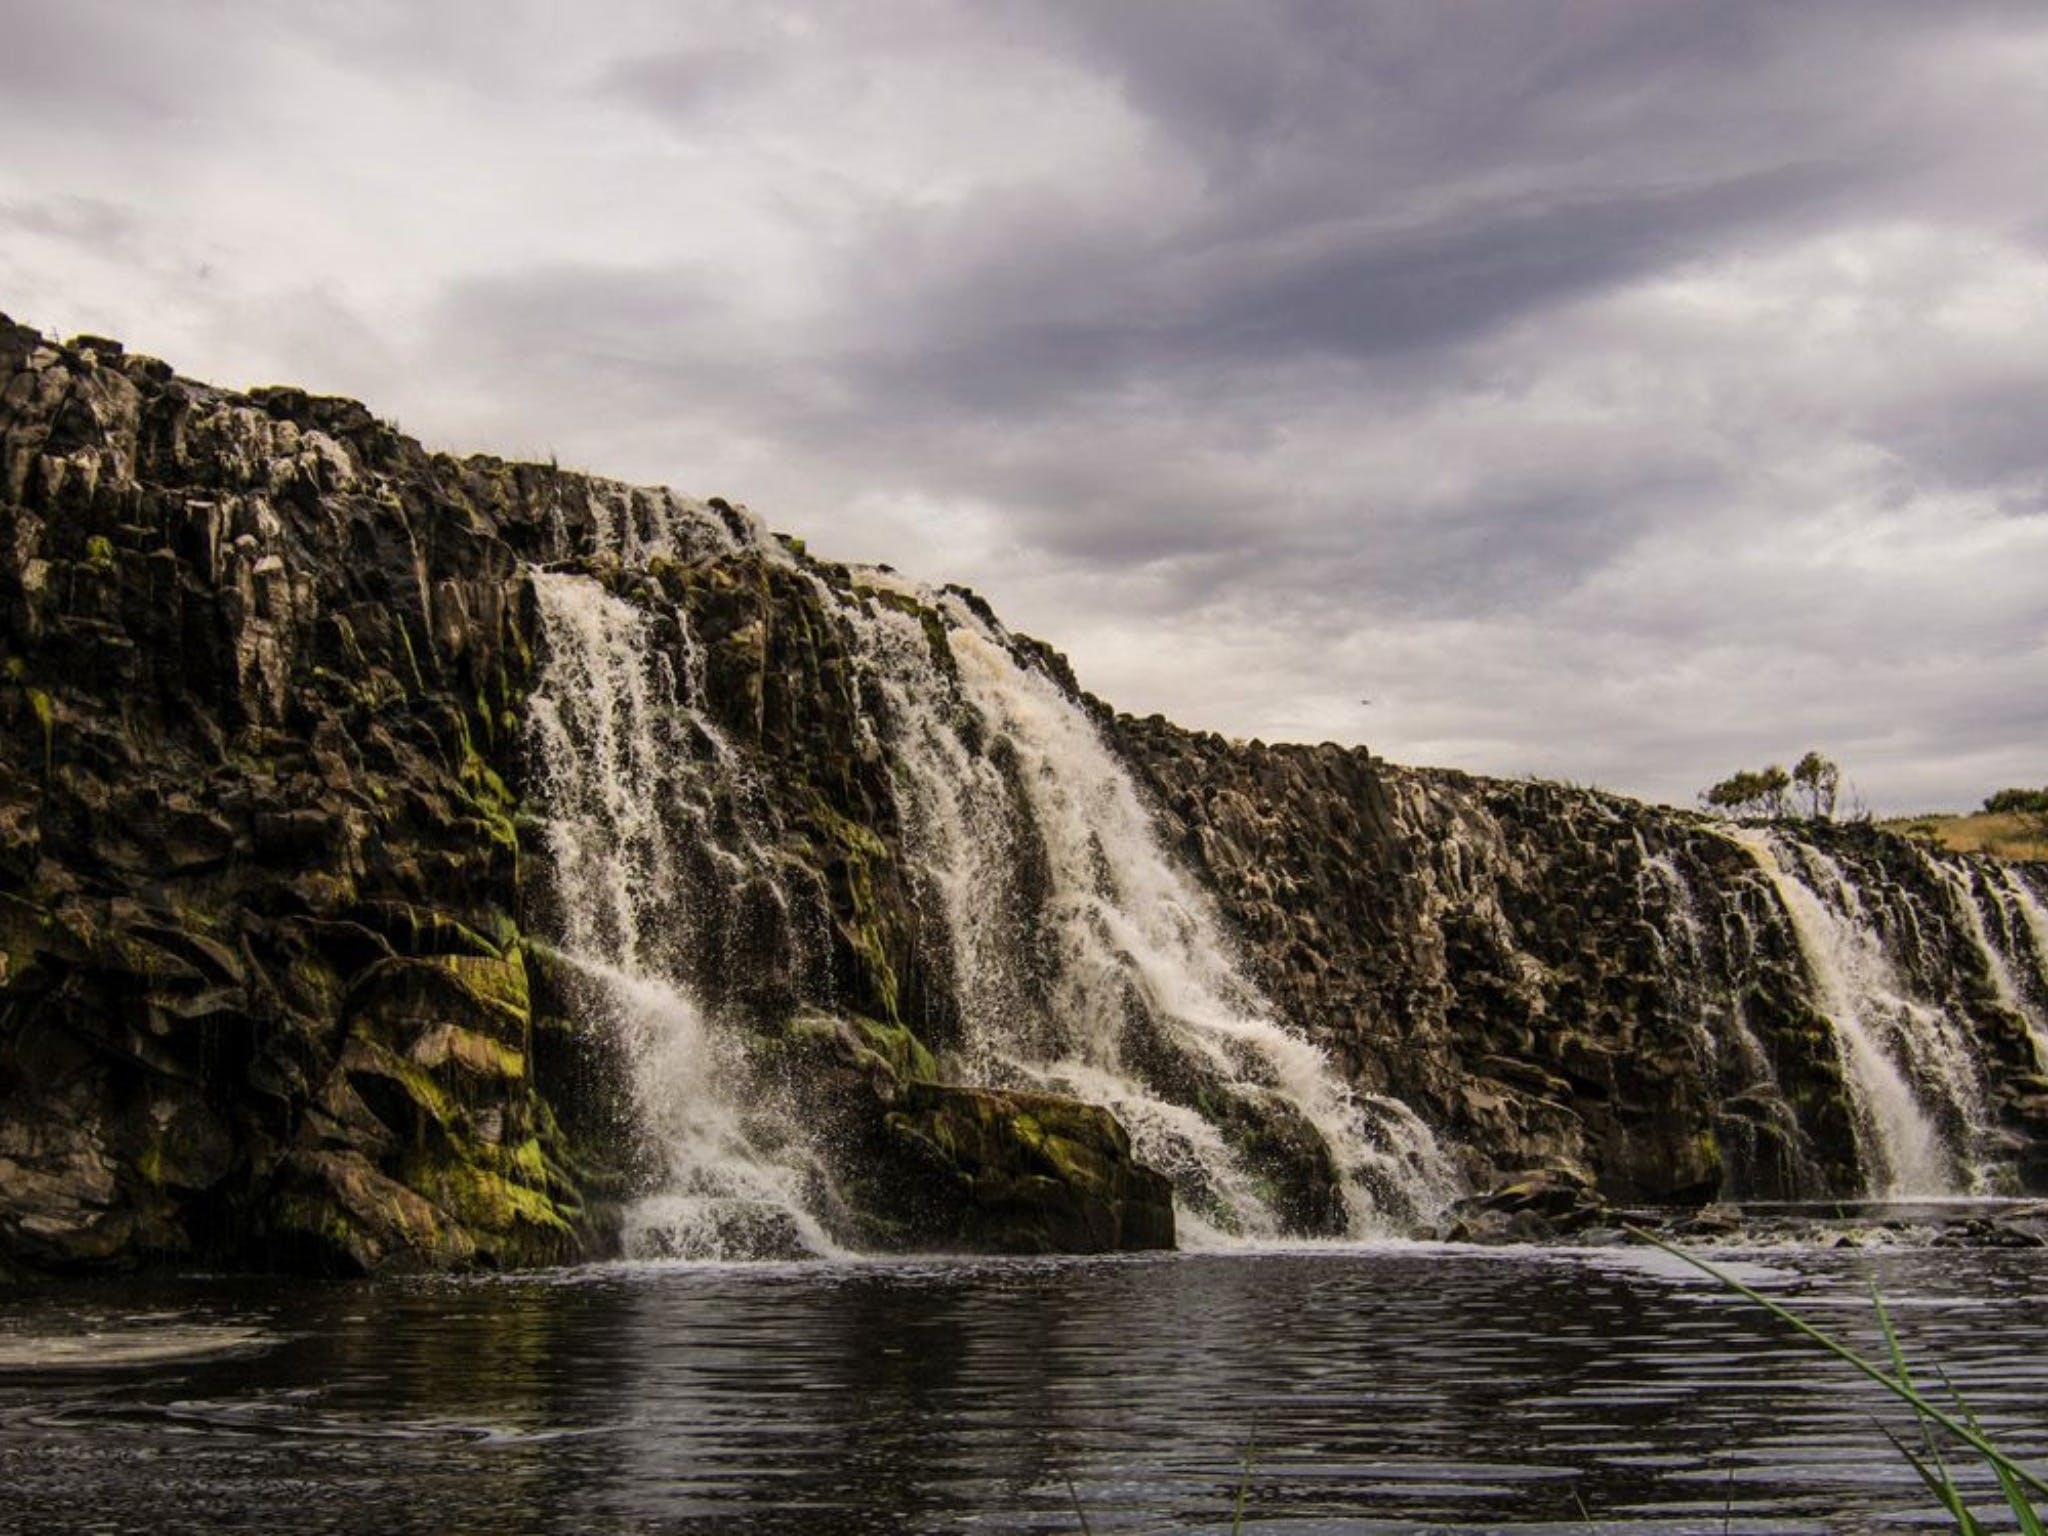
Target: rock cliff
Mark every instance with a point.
(320, 935)
(1562, 977)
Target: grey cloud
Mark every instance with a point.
(1539, 369)
(682, 85)
(80, 220)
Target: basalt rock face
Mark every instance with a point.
(270, 871)
(288, 896)
(1563, 979)
(265, 996)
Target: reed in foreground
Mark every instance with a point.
(2021, 1487)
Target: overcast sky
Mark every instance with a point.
(1621, 392)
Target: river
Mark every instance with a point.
(1392, 1387)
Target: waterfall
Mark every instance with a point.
(2010, 926)
(622, 756)
(1085, 962)
(1057, 945)
(1077, 957)
(1758, 1130)
(1901, 1056)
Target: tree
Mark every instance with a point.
(1767, 792)
(1775, 781)
(1818, 780)
(1750, 792)
(2017, 801)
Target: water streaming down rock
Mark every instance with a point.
(1918, 1090)
(2025, 928)
(2009, 927)
(1084, 961)
(1755, 1126)
(1077, 960)
(630, 771)
(285, 864)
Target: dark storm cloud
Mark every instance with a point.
(1613, 390)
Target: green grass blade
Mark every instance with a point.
(1903, 1390)
(1244, 1489)
(1891, 1336)
(2021, 1506)
(1940, 1484)
(1080, 1514)
(2015, 1496)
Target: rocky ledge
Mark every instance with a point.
(268, 994)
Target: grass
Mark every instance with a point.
(2023, 1489)
(2007, 836)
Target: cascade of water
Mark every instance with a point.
(637, 525)
(1731, 1056)
(1085, 962)
(1890, 1043)
(2018, 951)
(620, 750)
(2000, 953)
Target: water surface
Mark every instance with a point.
(1396, 1388)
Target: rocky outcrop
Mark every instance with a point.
(269, 992)
(279, 982)
(1568, 980)
(925, 1164)
(265, 991)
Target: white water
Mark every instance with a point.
(2023, 951)
(1724, 1041)
(1893, 1047)
(618, 748)
(1085, 961)
(1058, 988)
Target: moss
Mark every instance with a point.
(488, 1202)
(898, 1045)
(423, 931)
(863, 936)
(366, 1058)
(46, 716)
(500, 984)
(871, 1043)
(99, 551)
(476, 1055)
(412, 660)
(844, 832)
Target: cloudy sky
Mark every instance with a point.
(1611, 390)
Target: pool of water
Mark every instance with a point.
(1395, 1388)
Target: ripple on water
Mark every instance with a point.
(131, 1347)
(1383, 1389)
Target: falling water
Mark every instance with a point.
(1748, 1096)
(1085, 962)
(1894, 1049)
(620, 750)
(2016, 953)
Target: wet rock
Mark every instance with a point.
(236, 726)
(1010, 1172)
(269, 877)
(925, 1164)
(1540, 1205)
(1988, 1232)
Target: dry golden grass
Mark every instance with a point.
(2008, 836)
